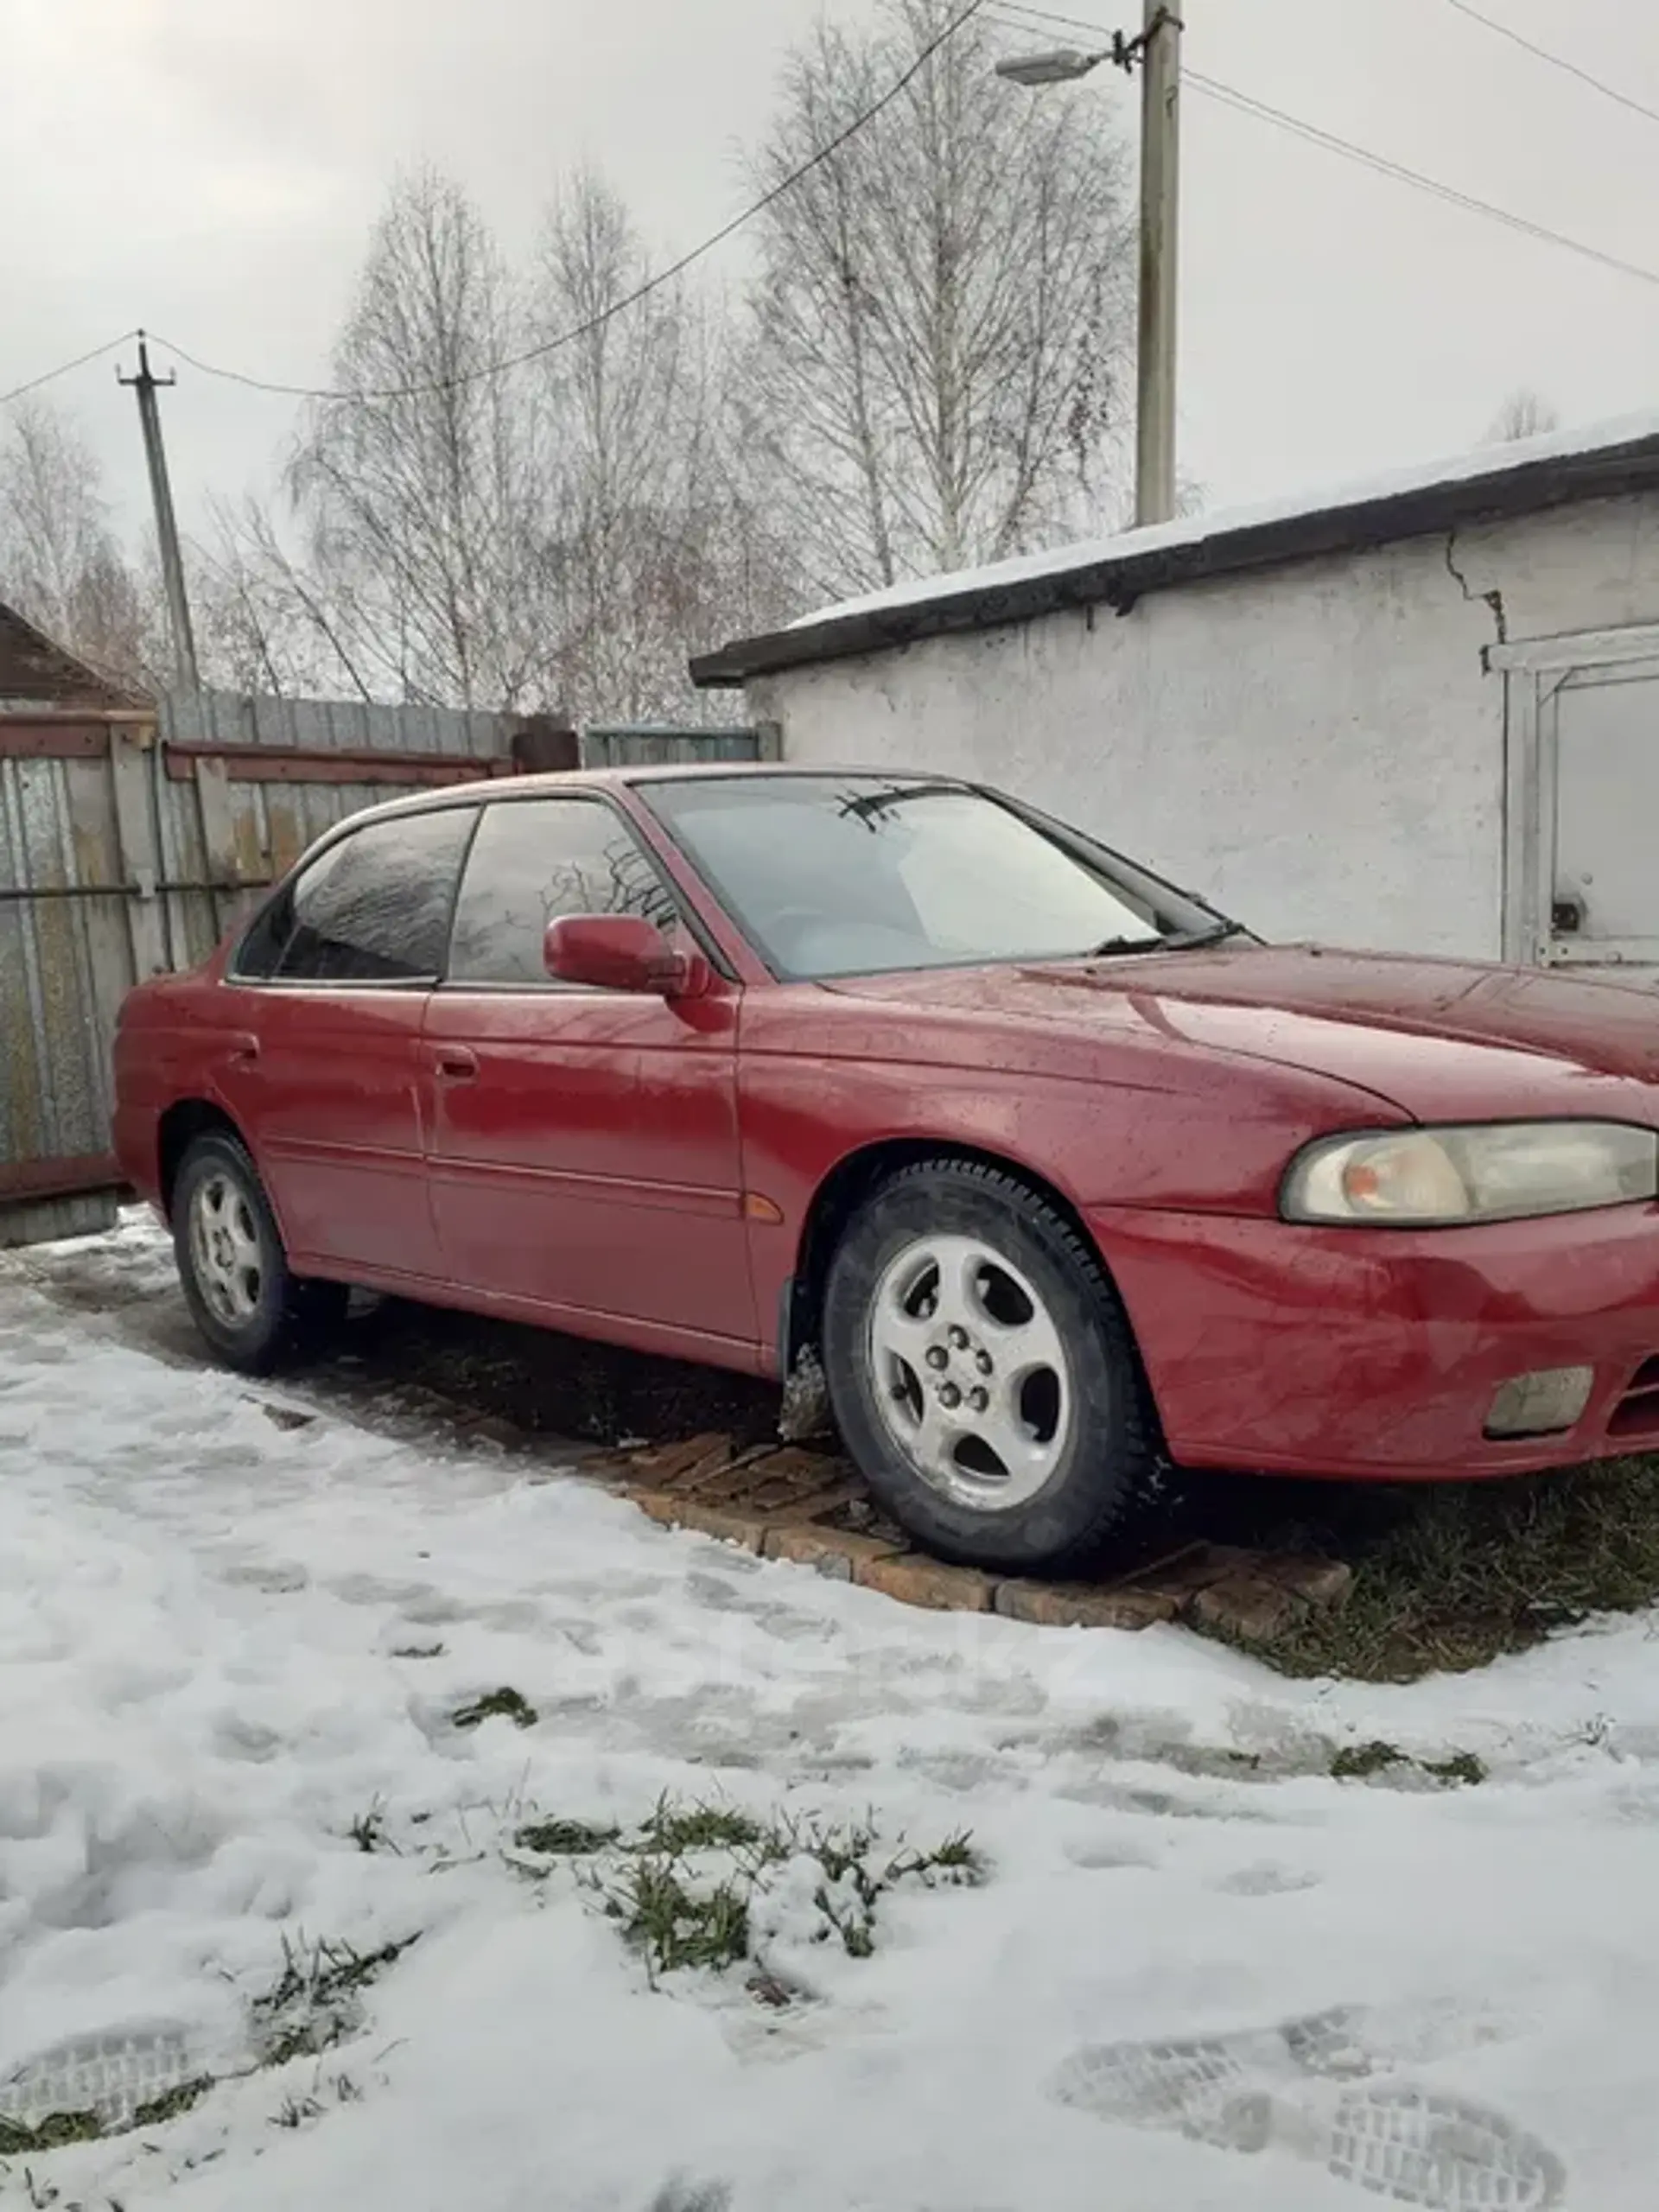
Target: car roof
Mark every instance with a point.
(603, 779)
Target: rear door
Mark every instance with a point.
(584, 1152)
(326, 1076)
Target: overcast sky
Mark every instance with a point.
(209, 168)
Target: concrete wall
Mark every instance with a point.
(1318, 748)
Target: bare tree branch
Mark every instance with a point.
(59, 562)
(943, 310)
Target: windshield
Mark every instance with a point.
(847, 875)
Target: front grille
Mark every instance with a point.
(1636, 1413)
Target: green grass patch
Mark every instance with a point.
(60, 2129)
(683, 1886)
(675, 1829)
(1450, 1576)
(1363, 1762)
(675, 1925)
(174, 2104)
(498, 1705)
(564, 1839)
(691, 2196)
(857, 1877)
(1359, 1761)
(57, 2130)
(1462, 1771)
(315, 2001)
(368, 1830)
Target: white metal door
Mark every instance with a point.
(1583, 802)
(1603, 733)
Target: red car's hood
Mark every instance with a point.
(1441, 1040)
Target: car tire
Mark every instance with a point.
(982, 1372)
(254, 1312)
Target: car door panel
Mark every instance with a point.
(589, 1160)
(322, 1068)
(332, 1105)
(584, 1153)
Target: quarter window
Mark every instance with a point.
(373, 908)
(535, 860)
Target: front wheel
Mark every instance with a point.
(252, 1310)
(981, 1371)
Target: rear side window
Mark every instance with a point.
(374, 908)
(535, 860)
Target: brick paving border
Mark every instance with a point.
(778, 1502)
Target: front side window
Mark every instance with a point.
(534, 861)
(842, 875)
(373, 908)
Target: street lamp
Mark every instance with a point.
(1063, 67)
(1157, 50)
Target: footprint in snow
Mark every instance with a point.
(115, 2075)
(1110, 1858)
(1306, 2088)
(1268, 1882)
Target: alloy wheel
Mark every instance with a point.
(226, 1251)
(970, 1372)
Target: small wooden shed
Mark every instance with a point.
(71, 742)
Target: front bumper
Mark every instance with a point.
(1374, 1355)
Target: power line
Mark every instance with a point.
(1385, 166)
(1382, 164)
(64, 368)
(1556, 60)
(643, 291)
(1069, 23)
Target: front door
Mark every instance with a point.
(323, 1067)
(584, 1148)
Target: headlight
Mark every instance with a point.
(1507, 1171)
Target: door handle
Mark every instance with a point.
(454, 1064)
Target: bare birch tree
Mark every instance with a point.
(419, 498)
(943, 310)
(264, 623)
(61, 563)
(1524, 414)
(625, 412)
(653, 551)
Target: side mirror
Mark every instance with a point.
(621, 952)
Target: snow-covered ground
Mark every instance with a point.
(229, 1634)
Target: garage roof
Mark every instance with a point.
(1491, 484)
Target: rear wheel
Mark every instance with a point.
(983, 1373)
(253, 1310)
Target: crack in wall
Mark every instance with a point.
(1493, 600)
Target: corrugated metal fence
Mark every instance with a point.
(249, 783)
(638, 745)
(129, 842)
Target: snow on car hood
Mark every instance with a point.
(1442, 1039)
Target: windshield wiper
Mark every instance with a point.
(1191, 940)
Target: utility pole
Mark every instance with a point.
(1161, 149)
(1156, 52)
(167, 527)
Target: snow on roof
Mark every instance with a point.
(1523, 477)
(1194, 530)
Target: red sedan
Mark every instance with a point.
(1053, 1170)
